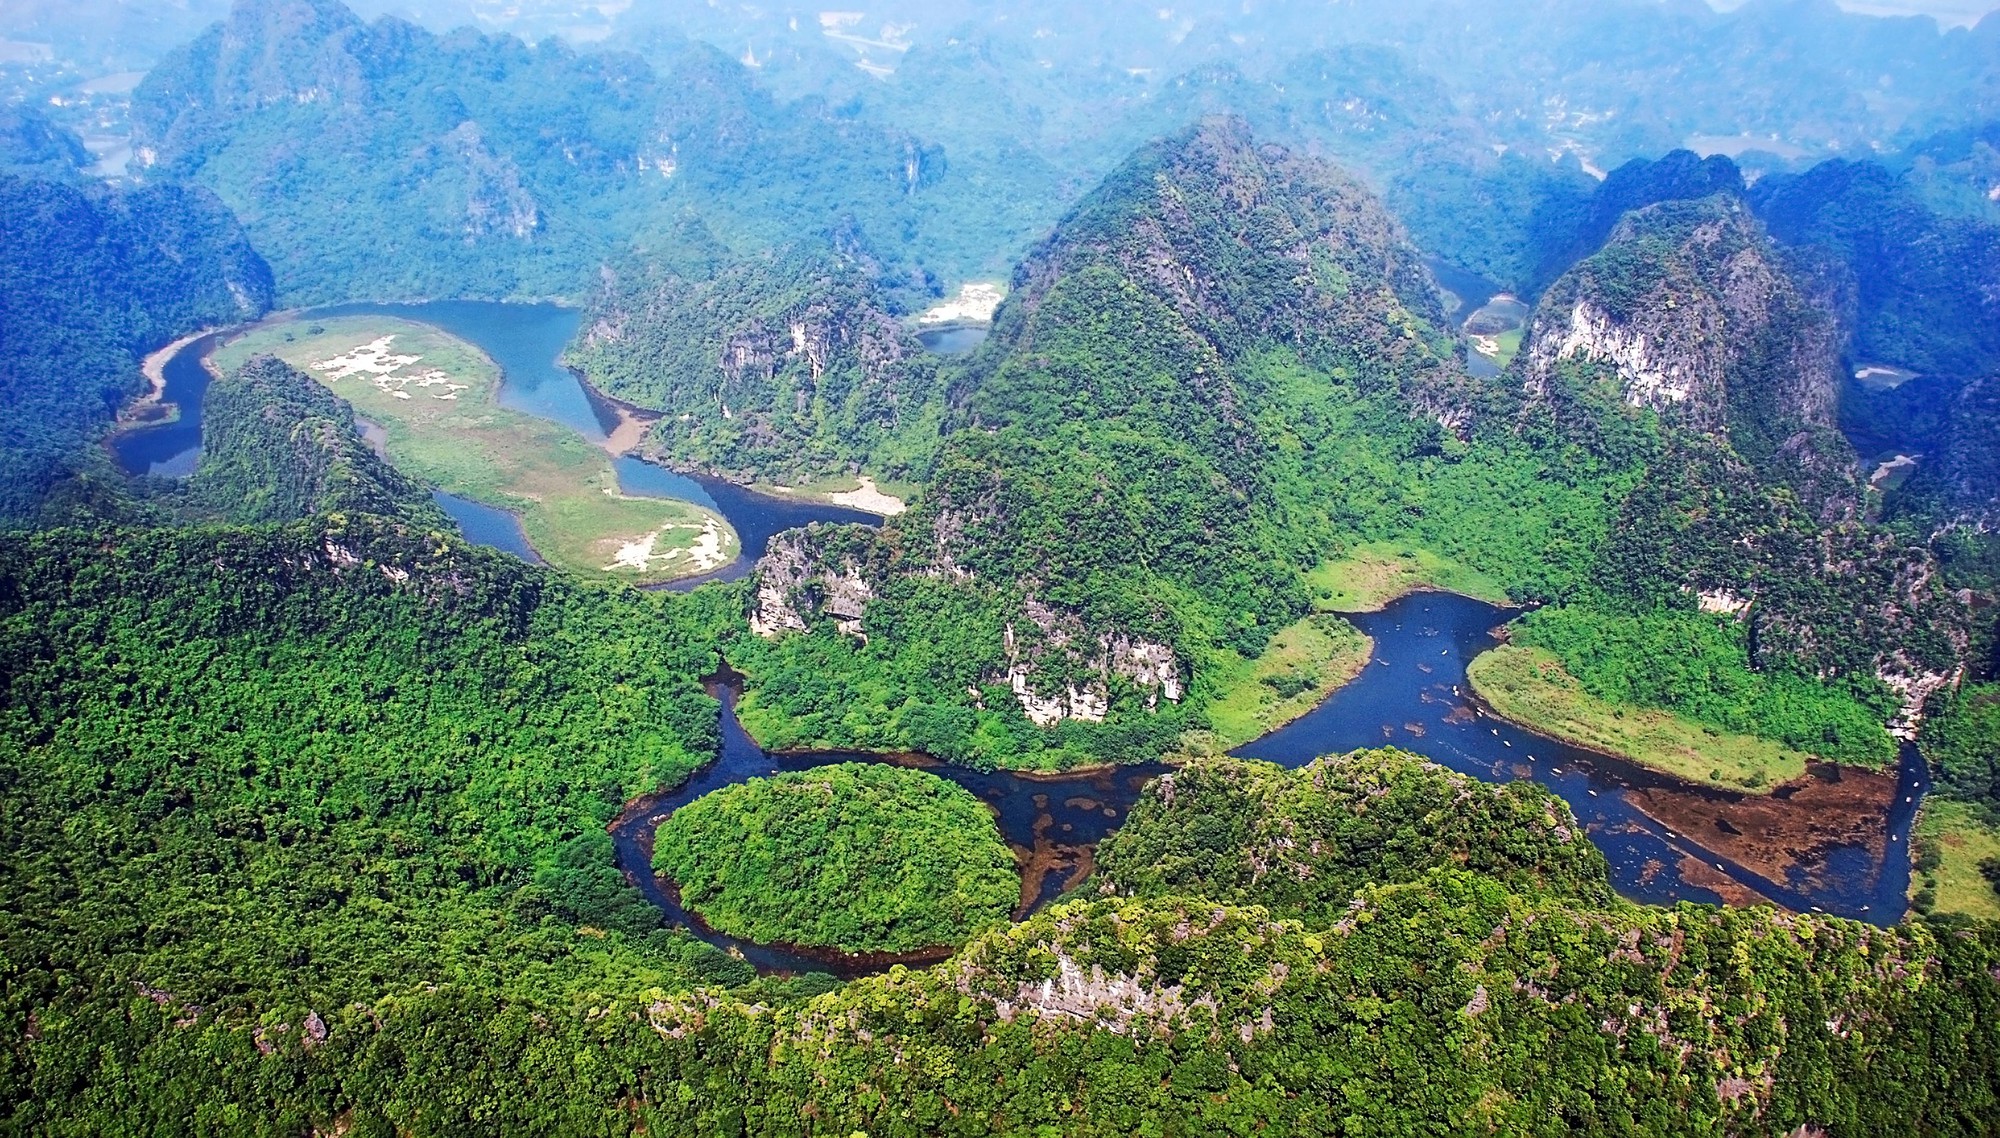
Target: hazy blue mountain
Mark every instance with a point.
(91, 279)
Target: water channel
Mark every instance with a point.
(1834, 841)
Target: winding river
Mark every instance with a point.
(1835, 840)
(526, 341)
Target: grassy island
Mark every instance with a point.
(1529, 686)
(858, 857)
(436, 399)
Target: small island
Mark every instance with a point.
(857, 857)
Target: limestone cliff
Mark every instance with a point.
(1690, 342)
(1055, 666)
(779, 369)
(1689, 312)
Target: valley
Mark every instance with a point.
(437, 400)
(1272, 569)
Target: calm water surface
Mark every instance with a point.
(1835, 841)
(526, 341)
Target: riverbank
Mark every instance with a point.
(151, 409)
(435, 398)
(1952, 839)
(865, 494)
(1377, 574)
(1529, 688)
(1302, 665)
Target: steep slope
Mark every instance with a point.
(1223, 367)
(277, 446)
(779, 369)
(91, 278)
(1690, 343)
(381, 160)
(1927, 284)
(1703, 324)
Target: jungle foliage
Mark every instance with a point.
(1699, 665)
(278, 446)
(860, 857)
(287, 775)
(91, 279)
(1302, 842)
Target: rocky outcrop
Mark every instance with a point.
(496, 203)
(1691, 313)
(813, 574)
(777, 370)
(1057, 670)
(1056, 666)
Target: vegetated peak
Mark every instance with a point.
(1692, 313)
(1247, 245)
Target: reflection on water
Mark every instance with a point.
(171, 449)
(952, 341)
(1835, 840)
(526, 341)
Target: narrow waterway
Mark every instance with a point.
(1052, 822)
(526, 341)
(1835, 840)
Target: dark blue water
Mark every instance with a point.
(1846, 832)
(488, 525)
(171, 450)
(952, 341)
(1050, 822)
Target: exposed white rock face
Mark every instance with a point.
(1720, 321)
(795, 587)
(1650, 379)
(1147, 665)
(1914, 686)
(1722, 601)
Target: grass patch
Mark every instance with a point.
(436, 398)
(1375, 573)
(1300, 667)
(1952, 839)
(1529, 686)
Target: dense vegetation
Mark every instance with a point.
(381, 160)
(1699, 666)
(1226, 369)
(1961, 739)
(1302, 842)
(278, 446)
(778, 369)
(855, 856)
(92, 278)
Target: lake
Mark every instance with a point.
(526, 341)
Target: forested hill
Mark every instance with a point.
(780, 367)
(91, 278)
(1227, 367)
(1694, 344)
(381, 160)
(278, 446)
